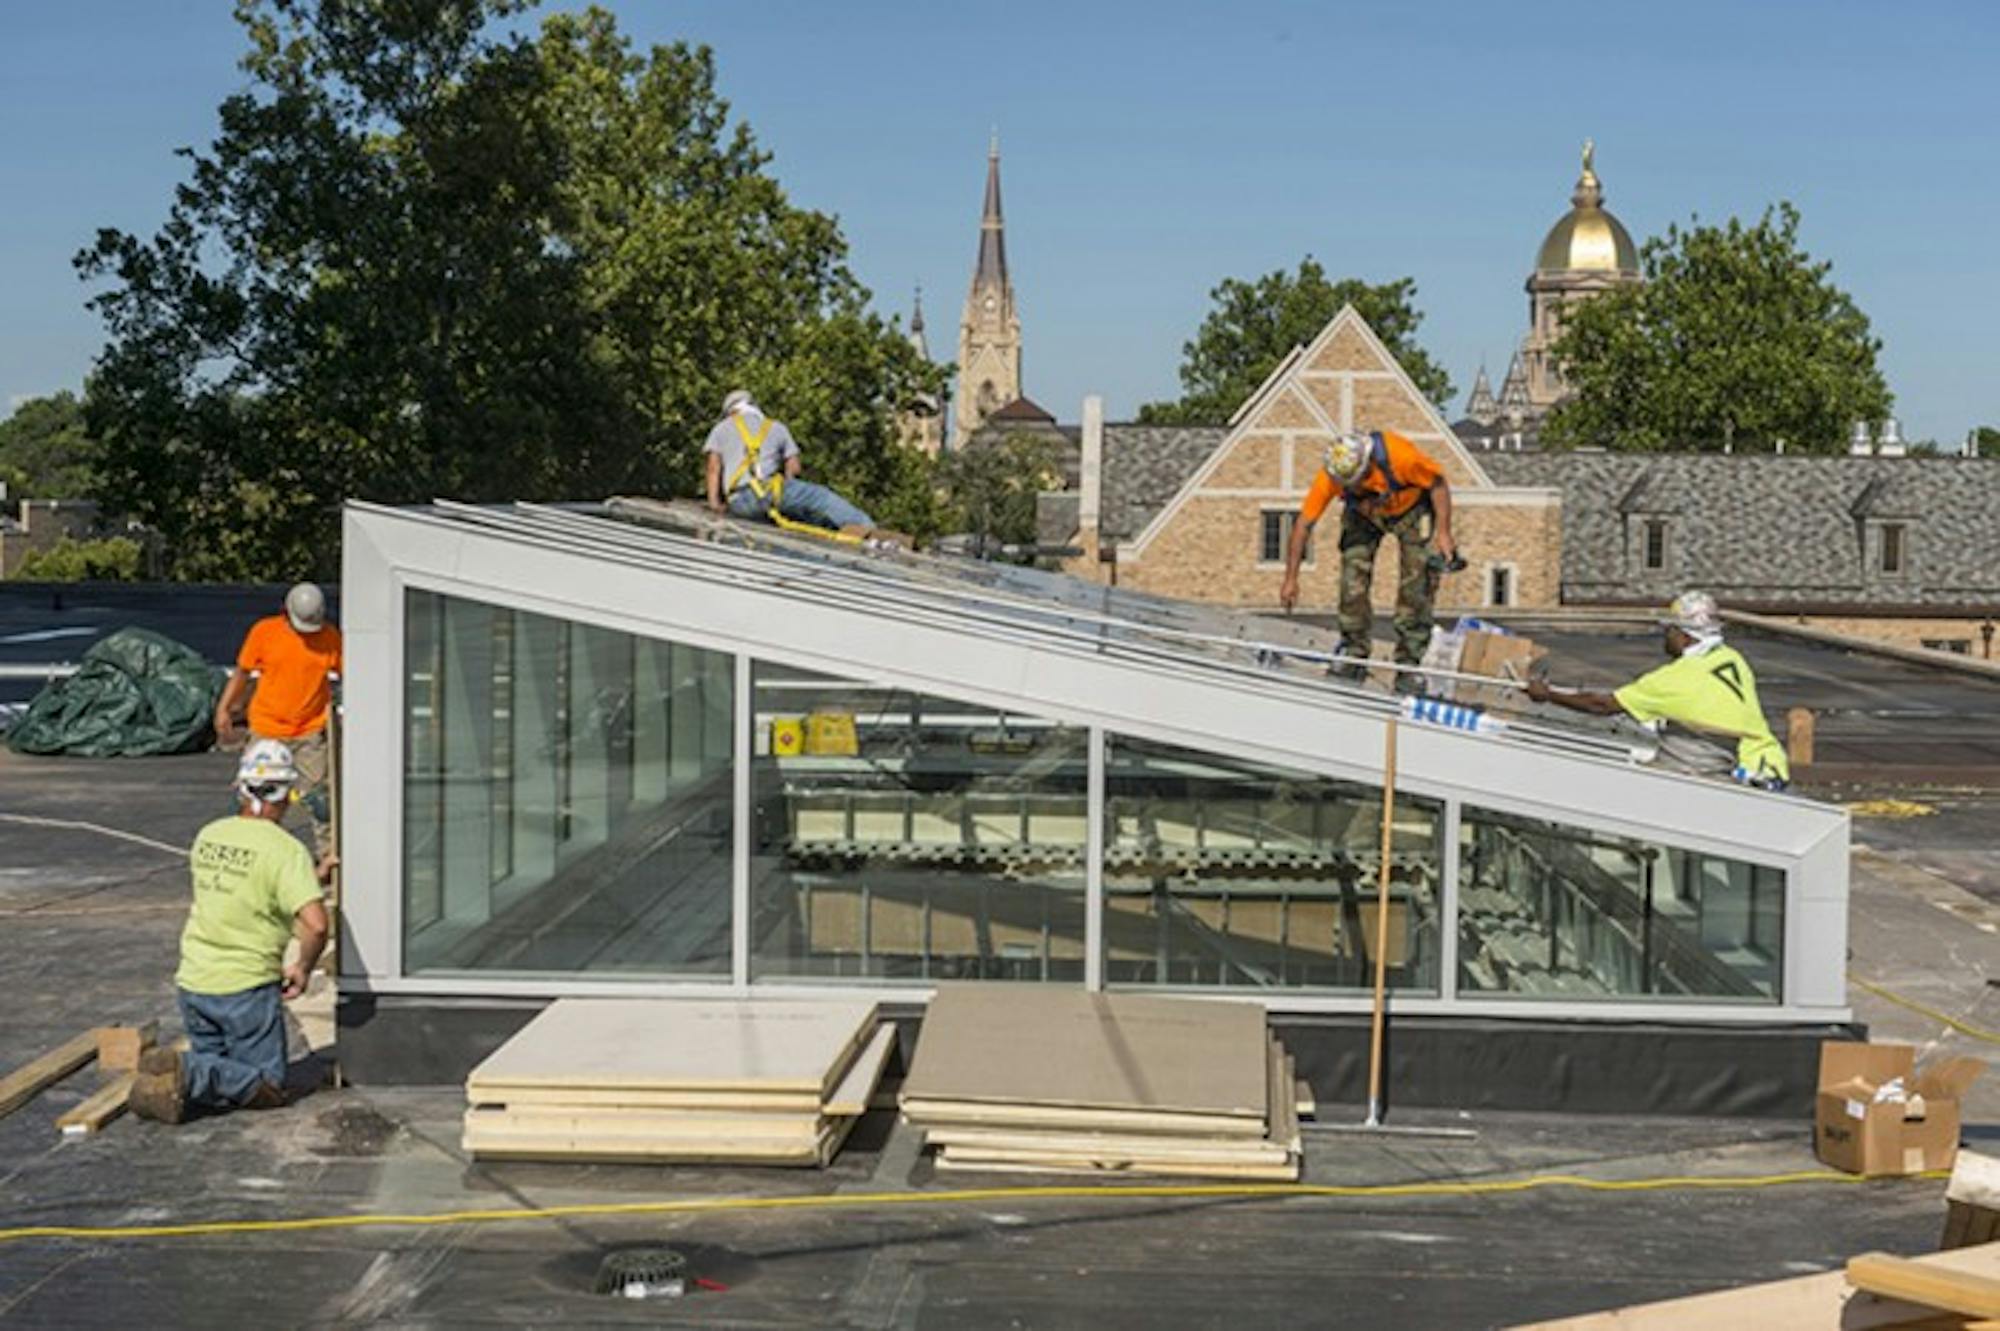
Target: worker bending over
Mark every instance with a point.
(286, 667)
(1388, 487)
(753, 472)
(255, 889)
(1706, 686)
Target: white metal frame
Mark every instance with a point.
(849, 623)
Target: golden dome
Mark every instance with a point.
(1588, 239)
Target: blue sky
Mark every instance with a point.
(1152, 149)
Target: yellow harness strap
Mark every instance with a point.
(753, 450)
(772, 491)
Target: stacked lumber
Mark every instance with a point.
(725, 1081)
(1043, 1080)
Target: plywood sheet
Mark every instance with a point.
(679, 1044)
(857, 1088)
(1823, 1302)
(488, 1121)
(974, 1114)
(1064, 1047)
(971, 1141)
(1285, 1173)
(730, 1102)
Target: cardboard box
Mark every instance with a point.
(1855, 1132)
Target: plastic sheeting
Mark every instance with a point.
(136, 693)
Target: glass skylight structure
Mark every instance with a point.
(628, 748)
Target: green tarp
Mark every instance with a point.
(136, 693)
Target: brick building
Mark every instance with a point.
(1205, 512)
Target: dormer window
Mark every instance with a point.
(1894, 556)
(1654, 555)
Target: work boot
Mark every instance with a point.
(267, 1096)
(160, 1096)
(1349, 666)
(1412, 685)
(160, 1058)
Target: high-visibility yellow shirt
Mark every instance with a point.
(1713, 692)
(251, 877)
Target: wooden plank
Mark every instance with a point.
(1967, 1293)
(25, 1082)
(107, 1103)
(119, 1047)
(1823, 1302)
(926, 1113)
(680, 1044)
(1058, 1046)
(852, 1096)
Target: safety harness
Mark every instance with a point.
(1378, 456)
(770, 490)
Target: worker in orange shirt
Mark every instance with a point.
(1388, 487)
(286, 669)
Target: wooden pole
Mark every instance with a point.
(1382, 926)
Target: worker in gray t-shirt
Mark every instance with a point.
(752, 489)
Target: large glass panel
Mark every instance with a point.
(900, 836)
(566, 806)
(1548, 910)
(1224, 872)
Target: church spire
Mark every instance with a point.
(989, 335)
(992, 229)
(917, 339)
(1482, 406)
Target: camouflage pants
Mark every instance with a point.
(1416, 584)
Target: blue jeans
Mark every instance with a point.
(235, 1041)
(802, 501)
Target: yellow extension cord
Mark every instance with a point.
(960, 1196)
(1943, 1018)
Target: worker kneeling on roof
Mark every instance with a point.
(753, 472)
(255, 889)
(1706, 686)
(1388, 487)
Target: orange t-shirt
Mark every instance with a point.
(292, 667)
(1416, 472)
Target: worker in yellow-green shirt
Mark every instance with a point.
(1706, 686)
(255, 890)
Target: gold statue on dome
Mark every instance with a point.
(1590, 157)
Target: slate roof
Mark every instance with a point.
(1144, 467)
(1760, 530)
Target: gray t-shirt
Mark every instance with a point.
(727, 443)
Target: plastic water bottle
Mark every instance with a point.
(1451, 715)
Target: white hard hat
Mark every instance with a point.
(266, 766)
(1347, 458)
(1694, 613)
(305, 606)
(737, 398)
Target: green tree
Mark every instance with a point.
(1737, 338)
(1254, 325)
(992, 488)
(1986, 441)
(111, 559)
(431, 254)
(45, 450)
